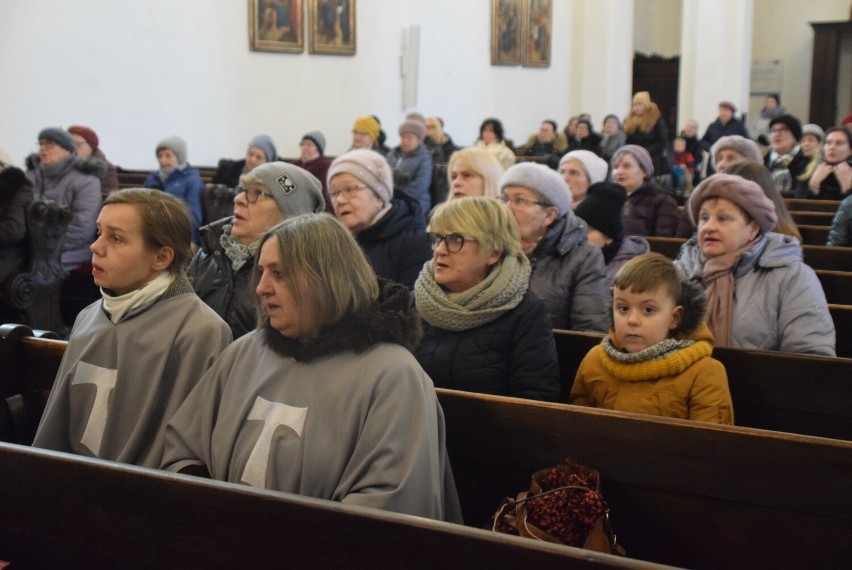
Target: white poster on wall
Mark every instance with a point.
(765, 76)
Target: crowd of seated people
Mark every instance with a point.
(336, 295)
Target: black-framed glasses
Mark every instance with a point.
(454, 242)
(252, 194)
(520, 201)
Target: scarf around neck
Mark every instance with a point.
(668, 357)
(57, 168)
(719, 288)
(123, 307)
(238, 253)
(501, 291)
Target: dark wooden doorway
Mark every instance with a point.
(659, 76)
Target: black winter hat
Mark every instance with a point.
(791, 123)
(602, 209)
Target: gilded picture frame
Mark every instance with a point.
(538, 26)
(277, 25)
(507, 30)
(332, 25)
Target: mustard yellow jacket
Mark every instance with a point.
(688, 384)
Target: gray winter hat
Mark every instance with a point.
(642, 156)
(59, 136)
(541, 179)
(264, 143)
(175, 144)
(296, 190)
(746, 148)
(318, 139)
(813, 129)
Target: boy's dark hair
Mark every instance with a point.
(649, 272)
(166, 221)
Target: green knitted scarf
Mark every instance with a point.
(500, 291)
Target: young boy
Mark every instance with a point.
(656, 359)
(684, 165)
(134, 355)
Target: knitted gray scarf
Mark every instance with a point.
(653, 352)
(235, 251)
(500, 292)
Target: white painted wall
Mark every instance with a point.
(139, 71)
(782, 31)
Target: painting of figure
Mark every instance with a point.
(506, 31)
(276, 25)
(332, 27)
(538, 29)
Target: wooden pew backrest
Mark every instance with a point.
(682, 493)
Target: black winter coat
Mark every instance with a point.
(651, 211)
(224, 290)
(514, 355)
(396, 245)
(656, 142)
(228, 173)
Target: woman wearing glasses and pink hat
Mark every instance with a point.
(221, 269)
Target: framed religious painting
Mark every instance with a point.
(507, 27)
(332, 24)
(277, 25)
(538, 18)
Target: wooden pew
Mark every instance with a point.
(795, 393)
(134, 178)
(814, 235)
(817, 256)
(683, 493)
(805, 205)
(837, 286)
(813, 218)
(842, 317)
(64, 511)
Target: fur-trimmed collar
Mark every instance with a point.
(390, 319)
(645, 123)
(89, 165)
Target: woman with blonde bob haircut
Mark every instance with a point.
(483, 329)
(474, 172)
(331, 362)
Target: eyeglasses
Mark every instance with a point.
(519, 201)
(779, 130)
(454, 242)
(349, 192)
(252, 194)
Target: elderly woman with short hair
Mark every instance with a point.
(568, 272)
(324, 398)
(760, 293)
(389, 226)
(483, 329)
(221, 268)
(650, 210)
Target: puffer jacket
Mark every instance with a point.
(651, 211)
(569, 275)
(513, 355)
(841, 226)
(77, 187)
(185, 184)
(630, 248)
(396, 245)
(224, 290)
(779, 303)
(416, 168)
(700, 392)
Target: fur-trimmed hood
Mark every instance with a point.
(645, 123)
(88, 165)
(390, 319)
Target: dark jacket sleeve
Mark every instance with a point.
(534, 369)
(667, 216)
